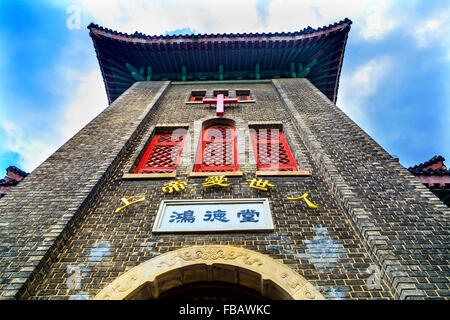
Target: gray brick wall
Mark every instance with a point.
(361, 222)
(403, 225)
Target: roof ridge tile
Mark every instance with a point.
(137, 34)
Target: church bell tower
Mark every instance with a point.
(222, 169)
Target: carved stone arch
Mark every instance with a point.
(260, 272)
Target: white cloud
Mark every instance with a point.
(366, 78)
(88, 101)
(291, 15)
(34, 145)
(158, 16)
(377, 20)
(433, 29)
(373, 19)
(357, 87)
(32, 151)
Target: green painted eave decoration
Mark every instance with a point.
(315, 54)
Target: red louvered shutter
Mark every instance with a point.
(272, 150)
(163, 154)
(217, 152)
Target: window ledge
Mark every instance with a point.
(210, 174)
(282, 173)
(245, 101)
(149, 175)
(201, 102)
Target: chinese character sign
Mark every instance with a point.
(185, 216)
(220, 215)
(248, 215)
(213, 215)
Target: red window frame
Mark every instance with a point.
(217, 150)
(162, 154)
(225, 94)
(263, 139)
(239, 97)
(196, 98)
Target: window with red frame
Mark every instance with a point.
(217, 92)
(163, 153)
(243, 98)
(243, 95)
(197, 96)
(217, 151)
(272, 150)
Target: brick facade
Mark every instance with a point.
(373, 214)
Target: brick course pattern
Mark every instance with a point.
(403, 226)
(65, 242)
(39, 215)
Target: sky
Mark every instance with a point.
(395, 79)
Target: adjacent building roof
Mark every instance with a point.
(434, 166)
(316, 54)
(435, 176)
(13, 176)
(16, 171)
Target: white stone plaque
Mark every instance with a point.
(213, 215)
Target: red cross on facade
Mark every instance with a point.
(220, 101)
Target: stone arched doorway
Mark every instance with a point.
(208, 268)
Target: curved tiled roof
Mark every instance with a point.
(17, 171)
(307, 30)
(420, 169)
(316, 54)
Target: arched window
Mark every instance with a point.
(272, 150)
(217, 151)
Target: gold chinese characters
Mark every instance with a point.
(178, 185)
(260, 184)
(215, 181)
(174, 185)
(128, 202)
(304, 197)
